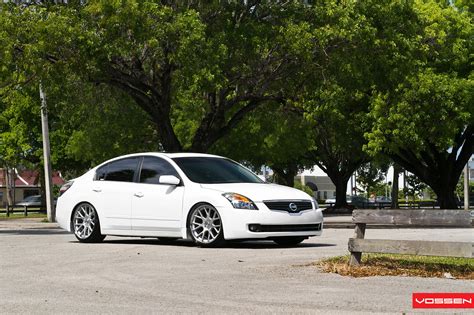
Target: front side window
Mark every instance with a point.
(210, 170)
(119, 171)
(153, 168)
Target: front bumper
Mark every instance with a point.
(266, 223)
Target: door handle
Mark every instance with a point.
(138, 194)
(96, 189)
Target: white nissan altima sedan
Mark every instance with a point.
(205, 198)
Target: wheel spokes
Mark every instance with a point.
(205, 224)
(84, 221)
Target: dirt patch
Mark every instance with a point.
(401, 265)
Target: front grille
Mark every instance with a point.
(284, 205)
(284, 228)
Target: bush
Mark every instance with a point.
(304, 188)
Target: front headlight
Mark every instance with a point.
(240, 202)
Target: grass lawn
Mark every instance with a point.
(401, 265)
(19, 215)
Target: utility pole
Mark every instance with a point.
(466, 186)
(352, 185)
(395, 186)
(355, 183)
(47, 158)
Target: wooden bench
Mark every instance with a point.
(412, 218)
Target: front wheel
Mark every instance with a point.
(289, 240)
(86, 224)
(205, 225)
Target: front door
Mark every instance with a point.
(156, 207)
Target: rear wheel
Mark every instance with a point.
(289, 240)
(86, 224)
(205, 225)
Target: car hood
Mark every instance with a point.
(258, 192)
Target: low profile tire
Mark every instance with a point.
(205, 226)
(289, 240)
(86, 225)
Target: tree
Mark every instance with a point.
(396, 173)
(337, 131)
(370, 176)
(95, 126)
(356, 45)
(412, 135)
(426, 123)
(276, 136)
(196, 70)
(415, 187)
(24, 39)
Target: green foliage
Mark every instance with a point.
(435, 102)
(196, 70)
(415, 186)
(381, 189)
(304, 188)
(460, 187)
(20, 128)
(425, 122)
(272, 135)
(94, 126)
(431, 109)
(370, 177)
(359, 48)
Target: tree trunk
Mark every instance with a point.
(396, 172)
(446, 196)
(439, 169)
(285, 175)
(155, 102)
(168, 138)
(442, 179)
(341, 189)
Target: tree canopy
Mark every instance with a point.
(426, 123)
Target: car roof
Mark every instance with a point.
(189, 154)
(162, 154)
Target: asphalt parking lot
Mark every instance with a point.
(46, 271)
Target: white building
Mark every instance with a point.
(326, 188)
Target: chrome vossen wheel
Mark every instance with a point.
(86, 224)
(206, 225)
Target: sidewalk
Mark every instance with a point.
(26, 224)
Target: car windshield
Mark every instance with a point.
(210, 170)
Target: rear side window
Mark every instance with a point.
(153, 168)
(120, 171)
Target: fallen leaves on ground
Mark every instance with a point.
(401, 265)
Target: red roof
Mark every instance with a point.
(31, 178)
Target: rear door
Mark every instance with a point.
(157, 207)
(113, 189)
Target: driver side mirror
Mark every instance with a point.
(169, 180)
